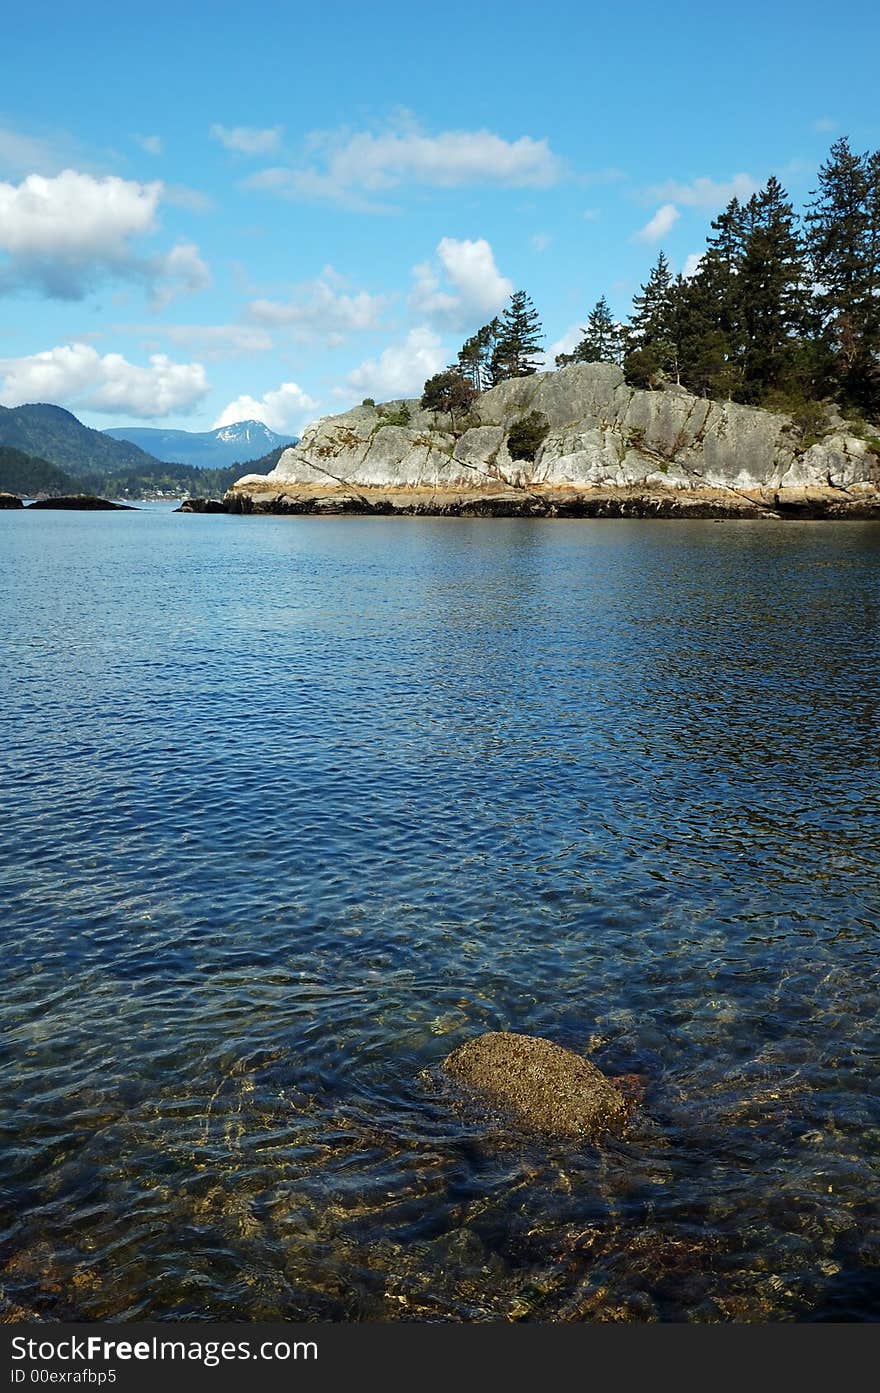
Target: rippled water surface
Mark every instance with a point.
(291, 807)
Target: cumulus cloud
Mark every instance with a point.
(691, 265)
(705, 193)
(75, 215)
(152, 144)
(463, 285)
(77, 376)
(286, 410)
(401, 370)
(247, 140)
(659, 225)
(62, 235)
(348, 165)
(321, 309)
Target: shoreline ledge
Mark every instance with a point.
(600, 449)
(858, 503)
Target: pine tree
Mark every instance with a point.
(448, 391)
(602, 341)
(709, 333)
(703, 346)
(773, 298)
(476, 355)
(844, 247)
(652, 352)
(517, 351)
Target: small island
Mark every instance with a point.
(578, 442)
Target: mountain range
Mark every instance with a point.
(212, 449)
(44, 449)
(53, 434)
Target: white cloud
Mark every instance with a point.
(247, 140)
(659, 225)
(401, 370)
(322, 309)
(152, 144)
(286, 410)
(75, 215)
(75, 375)
(825, 124)
(476, 292)
(541, 241)
(705, 193)
(691, 265)
(347, 165)
(62, 235)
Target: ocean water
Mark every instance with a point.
(292, 807)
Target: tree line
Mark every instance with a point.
(782, 310)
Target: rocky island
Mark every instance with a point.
(604, 449)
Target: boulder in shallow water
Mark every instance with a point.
(549, 1089)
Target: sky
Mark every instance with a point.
(214, 212)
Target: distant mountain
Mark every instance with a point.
(48, 451)
(53, 434)
(209, 449)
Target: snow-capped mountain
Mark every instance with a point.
(210, 449)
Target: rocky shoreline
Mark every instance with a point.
(596, 447)
(859, 503)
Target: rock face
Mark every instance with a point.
(84, 502)
(549, 1089)
(602, 436)
(10, 500)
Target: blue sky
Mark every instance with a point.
(213, 211)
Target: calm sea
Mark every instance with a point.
(292, 807)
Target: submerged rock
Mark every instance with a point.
(87, 502)
(10, 500)
(548, 1088)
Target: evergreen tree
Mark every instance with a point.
(703, 346)
(602, 341)
(844, 247)
(651, 338)
(517, 351)
(476, 355)
(447, 391)
(709, 333)
(773, 315)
